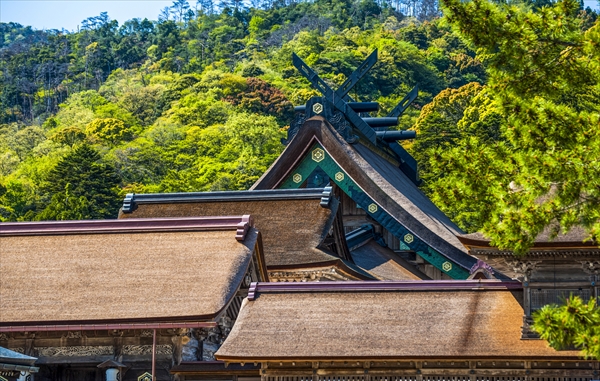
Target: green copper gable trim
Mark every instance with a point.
(318, 157)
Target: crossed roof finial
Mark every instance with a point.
(341, 110)
(337, 98)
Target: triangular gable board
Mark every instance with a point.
(376, 185)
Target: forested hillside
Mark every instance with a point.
(199, 99)
(193, 102)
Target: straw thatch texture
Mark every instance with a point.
(384, 263)
(120, 277)
(400, 324)
(576, 237)
(291, 229)
(381, 180)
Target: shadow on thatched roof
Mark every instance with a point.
(396, 320)
(129, 271)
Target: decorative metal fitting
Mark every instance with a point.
(318, 155)
(317, 108)
(446, 266)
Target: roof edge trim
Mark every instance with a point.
(238, 359)
(377, 286)
(110, 326)
(132, 200)
(240, 224)
(472, 243)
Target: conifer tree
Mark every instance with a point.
(544, 78)
(81, 181)
(179, 9)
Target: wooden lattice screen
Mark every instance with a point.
(540, 298)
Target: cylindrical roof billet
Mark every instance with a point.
(392, 136)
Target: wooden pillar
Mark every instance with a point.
(153, 354)
(526, 299)
(29, 343)
(367, 367)
(418, 366)
(263, 371)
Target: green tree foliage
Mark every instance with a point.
(109, 129)
(456, 121)
(575, 324)
(66, 206)
(42, 69)
(15, 201)
(171, 104)
(82, 187)
(69, 136)
(544, 79)
(231, 156)
(519, 154)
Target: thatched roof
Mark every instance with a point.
(396, 320)
(380, 178)
(293, 223)
(126, 271)
(384, 263)
(576, 237)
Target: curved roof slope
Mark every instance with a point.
(87, 272)
(379, 179)
(384, 263)
(293, 223)
(400, 320)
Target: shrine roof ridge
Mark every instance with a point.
(382, 286)
(134, 225)
(132, 199)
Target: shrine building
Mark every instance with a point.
(334, 266)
